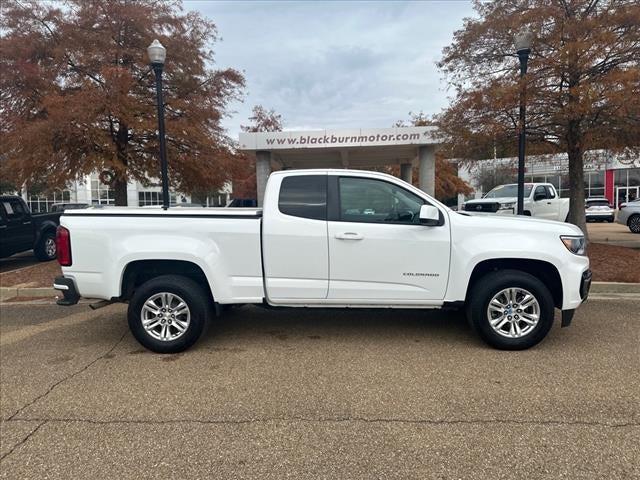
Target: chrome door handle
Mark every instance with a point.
(349, 236)
(26, 223)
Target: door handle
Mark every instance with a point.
(548, 203)
(26, 223)
(349, 236)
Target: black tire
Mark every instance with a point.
(45, 250)
(490, 285)
(634, 223)
(196, 299)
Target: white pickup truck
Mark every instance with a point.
(540, 200)
(324, 238)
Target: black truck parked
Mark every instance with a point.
(21, 231)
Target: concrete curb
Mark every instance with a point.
(597, 288)
(614, 287)
(10, 292)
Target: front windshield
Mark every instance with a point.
(508, 191)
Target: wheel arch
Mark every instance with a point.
(138, 272)
(46, 227)
(544, 271)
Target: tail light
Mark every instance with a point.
(63, 246)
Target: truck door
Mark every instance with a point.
(543, 203)
(294, 238)
(18, 234)
(378, 249)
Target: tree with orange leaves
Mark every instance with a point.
(77, 94)
(244, 171)
(582, 85)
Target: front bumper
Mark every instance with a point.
(585, 286)
(68, 288)
(600, 216)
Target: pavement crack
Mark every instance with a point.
(24, 440)
(68, 377)
(335, 420)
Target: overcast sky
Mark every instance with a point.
(335, 64)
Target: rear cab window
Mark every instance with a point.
(304, 196)
(13, 209)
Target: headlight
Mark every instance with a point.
(576, 245)
(507, 206)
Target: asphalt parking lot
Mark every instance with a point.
(318, 394)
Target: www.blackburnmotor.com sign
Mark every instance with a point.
(368, 137)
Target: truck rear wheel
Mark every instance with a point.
(511, 310)
(168, 313)
(45, 250)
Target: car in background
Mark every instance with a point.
(20, 230)
(61, 207)
(629, 215)
(598, 209)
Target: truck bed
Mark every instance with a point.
(224, 243)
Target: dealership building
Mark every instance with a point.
(615, 177)
(360, 148)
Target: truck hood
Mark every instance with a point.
(522, 222)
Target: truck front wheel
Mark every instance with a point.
(167, 314)
(511, 309)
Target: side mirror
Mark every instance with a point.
(539, 196)
(429, 216)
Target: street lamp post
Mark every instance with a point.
(157, 54)
(523, 48)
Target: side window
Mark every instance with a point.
(550, 193)
(304, 196)
(540, 190)
(375, 201)
(13, 209)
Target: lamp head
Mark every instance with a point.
(523, 40)
(157, 53)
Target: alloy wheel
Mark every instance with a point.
(165, 316)
(513, 312)
(50, 247)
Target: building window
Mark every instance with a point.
(42, 202)
(626, 185)
(147, 198)
(101, 193)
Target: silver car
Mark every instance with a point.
(597, 209)
(629, 215)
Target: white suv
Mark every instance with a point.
(598, 209)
